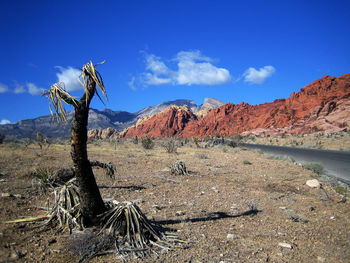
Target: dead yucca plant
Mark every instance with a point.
(66, 210)
(179, 168)
(134, 234)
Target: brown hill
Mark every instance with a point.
(320, 106)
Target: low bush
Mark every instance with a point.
(315, 167)
(147, 143)
(170, 146)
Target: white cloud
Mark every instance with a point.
(4, 121)
(154, 64)
(254, 76)
(70, 77)
(33, 89)
(154, 79)
(192, 69)
(18, 88)
(3, 88)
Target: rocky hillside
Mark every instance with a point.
(169, 123)
(320, 106)
(99, 121)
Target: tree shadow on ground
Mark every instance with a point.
(211, 217)
(129, 187)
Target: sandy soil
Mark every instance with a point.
(206, 207)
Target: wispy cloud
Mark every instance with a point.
(33, 89)
(254, 76)
(193, 68)
(29, 87)
(131, 83)
(3, 88)
(18, 88)
(70, 77)
(4, 121)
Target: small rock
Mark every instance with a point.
(6, 195)
(18, 196)
(321, 259)
(332, 218)
(180, 213)
(16, 255)
(311, 208)
(314, 183)
(285, 245)
(231, 237)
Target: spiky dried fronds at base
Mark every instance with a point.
(66, 211)
(135, 235)
(179, 168)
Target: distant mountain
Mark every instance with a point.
(323, 105)
(100, 120)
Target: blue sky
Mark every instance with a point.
(235, 51)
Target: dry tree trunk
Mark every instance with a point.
(92, 204)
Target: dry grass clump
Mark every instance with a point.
(47, 177)
(170, 146)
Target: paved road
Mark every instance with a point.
(336, 163)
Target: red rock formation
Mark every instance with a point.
(320, 106)
(168, 123)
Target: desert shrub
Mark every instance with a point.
(147, 143)
(195, 141)
(233, 144)
(170, 146)
(246, 162)
(341, 190)
(135, 140)
(315, 167)
(202, 156)
(46, 177)
(40, 139)
(281, 157)
(2, 137)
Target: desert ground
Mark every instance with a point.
(336, 141)
(209, 207)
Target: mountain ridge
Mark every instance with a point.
(322, 105)
(98, 120)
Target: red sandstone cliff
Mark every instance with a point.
(320, 106)
(168, 123)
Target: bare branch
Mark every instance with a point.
(109, 167)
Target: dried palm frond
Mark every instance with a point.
(66, 211)
(134, 234)
(90, 73)
(56, 94)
